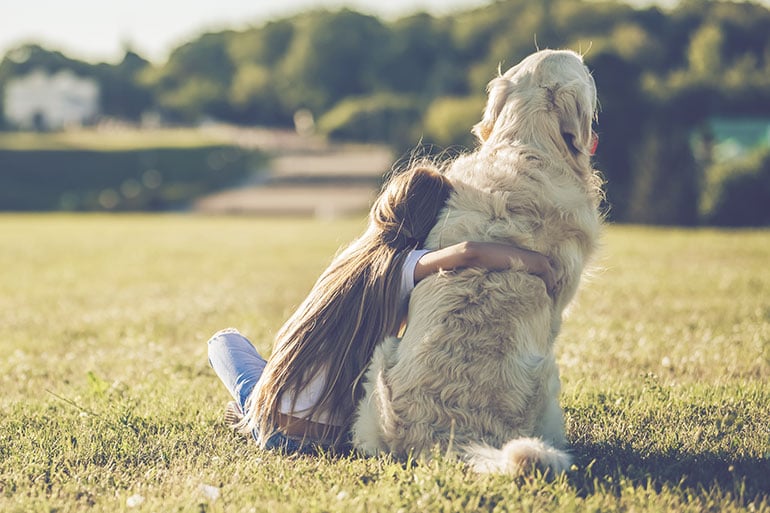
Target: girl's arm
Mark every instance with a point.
(488, 255)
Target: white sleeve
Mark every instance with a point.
(407, 274)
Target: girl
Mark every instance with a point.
(308, 391)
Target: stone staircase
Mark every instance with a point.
(305, 176)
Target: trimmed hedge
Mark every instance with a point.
(140, 179)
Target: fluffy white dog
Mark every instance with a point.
(475, 370)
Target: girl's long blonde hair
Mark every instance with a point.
(352, 307)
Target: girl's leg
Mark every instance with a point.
(236, 362)
(239, 366)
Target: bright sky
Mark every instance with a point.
(97, 30)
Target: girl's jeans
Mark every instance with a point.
(239, 366)
(237, 363)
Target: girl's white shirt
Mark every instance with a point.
(310, 395)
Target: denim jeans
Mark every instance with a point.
(238, 364)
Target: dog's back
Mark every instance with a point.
(475, 369)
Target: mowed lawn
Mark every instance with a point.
(108, 402)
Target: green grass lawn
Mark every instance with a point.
(109, 404)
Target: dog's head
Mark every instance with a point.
(547, 100)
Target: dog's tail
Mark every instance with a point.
(517, 457)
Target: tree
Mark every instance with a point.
(665, 181)
(255, 98)
(333, 55)
(705, 52)
(623, 110)
(419, 56)
(123, 95)
(737, 193)
(254, 92)
(195, 80)
(264, 46)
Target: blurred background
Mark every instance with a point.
(302, 108)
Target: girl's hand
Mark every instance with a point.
(487, 255)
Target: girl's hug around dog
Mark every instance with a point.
(437, 325)
(305, 396)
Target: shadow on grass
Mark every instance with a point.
(608, 466)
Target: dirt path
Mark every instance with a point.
(306, 176)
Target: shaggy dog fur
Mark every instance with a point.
(475, 370)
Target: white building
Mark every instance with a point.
(44, 102)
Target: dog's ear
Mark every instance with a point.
(574, 106)
(498, 90)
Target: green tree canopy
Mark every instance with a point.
(332, 56)
(661, 75)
